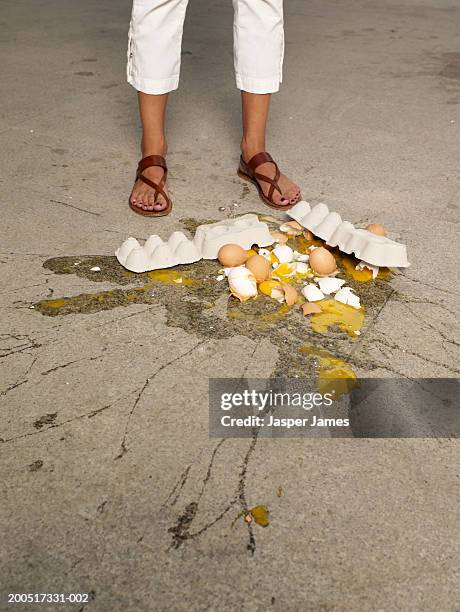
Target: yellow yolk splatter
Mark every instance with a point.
(266, 287)
(55, 303)
(169, 277)
(284, 271)
(335, 375)
(347, 318)
(260, 515)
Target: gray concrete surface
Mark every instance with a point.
(110, 484)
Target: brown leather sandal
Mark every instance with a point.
(148, 162)
(247, 172)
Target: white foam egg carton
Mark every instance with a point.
(157, 254)
(244, 231)
(329, 226)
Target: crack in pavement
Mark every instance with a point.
(181, 530)
(123, 448)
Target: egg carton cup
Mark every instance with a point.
(329, 226)
(244, 231)
(157, 254)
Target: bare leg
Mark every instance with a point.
(255, 116)
(152, 111)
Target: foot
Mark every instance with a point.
(143, 196)
(290, 191)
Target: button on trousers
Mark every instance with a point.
(155, 40)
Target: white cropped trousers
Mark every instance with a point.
(155, 40)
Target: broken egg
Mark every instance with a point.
(231, 255)
(242, 283)
(259, 266)
(376, 229)
(285, 270)
(273, 289)
(322, 261)
(310, 308)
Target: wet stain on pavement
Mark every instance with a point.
(193, 300)
(46, 419)
(451, 67)
(36, 465)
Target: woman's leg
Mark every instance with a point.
(154, 54)
(255, 116)
(152, 110)
(259, 53)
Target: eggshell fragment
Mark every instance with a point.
(312, 293)
(346, 296)
(302, 268)
(242, 283)
(277, 294)
(301, 256)
(377, 229)
(363, 265)
(231, 255)
(292, 228)
(283, 253)
(259, 266)
(322, 261)
(290, 294)
(310, 308)
(329, 285)
(279, 237)
(266, 253)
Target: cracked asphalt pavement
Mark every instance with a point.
(111, 485)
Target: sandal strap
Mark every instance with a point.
(149, 162)
(152, 160)
(258, 160)
(157, 187)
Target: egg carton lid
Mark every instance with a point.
(157, 254)
(329, 226)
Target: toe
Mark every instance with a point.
(150, 202)
(280, 199)
(160, 205)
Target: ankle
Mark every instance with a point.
(154, 146)
(250, 147)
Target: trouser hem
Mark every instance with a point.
(258, 86)
(154, 86)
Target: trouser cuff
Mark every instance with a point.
(258, 86)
